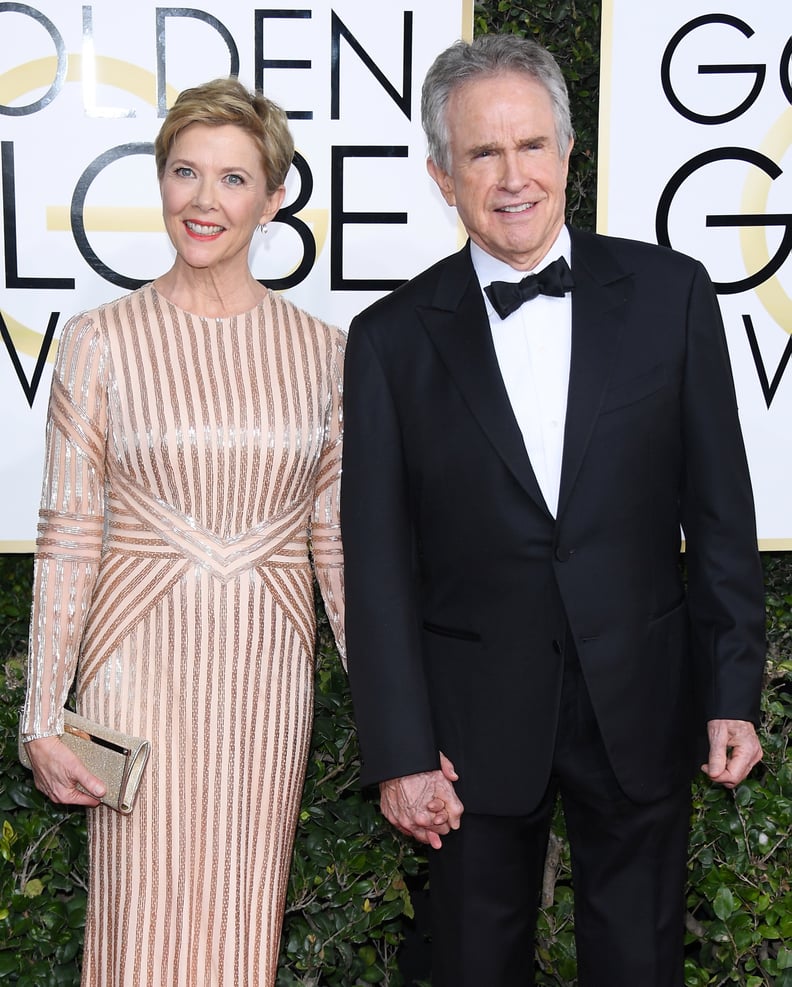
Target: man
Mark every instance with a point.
(515, 478)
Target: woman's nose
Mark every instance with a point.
(204, 197)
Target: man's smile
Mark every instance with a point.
(522, 207)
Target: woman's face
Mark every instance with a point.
(214, 195)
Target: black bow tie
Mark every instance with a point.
(555, 279)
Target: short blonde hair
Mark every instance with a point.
(225, 101)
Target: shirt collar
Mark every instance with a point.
(489, 268)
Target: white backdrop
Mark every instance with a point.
(83, 89)
(696, 152)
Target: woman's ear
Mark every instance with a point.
(274, 203)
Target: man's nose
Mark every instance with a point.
(514, 173)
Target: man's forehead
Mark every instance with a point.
(511, 78)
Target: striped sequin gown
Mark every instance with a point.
(190, 464)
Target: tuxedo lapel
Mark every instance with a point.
(602, 289)
(459, 328)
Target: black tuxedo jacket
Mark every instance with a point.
(462, 589)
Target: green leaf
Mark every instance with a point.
(784, 958)
(724, 904)
(33, 888)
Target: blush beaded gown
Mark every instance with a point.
(192, 470)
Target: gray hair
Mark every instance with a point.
(487, 56)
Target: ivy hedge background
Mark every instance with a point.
(355, 885)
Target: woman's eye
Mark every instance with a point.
(183, 171)
(235, 180)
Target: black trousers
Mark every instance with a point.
(628, 871)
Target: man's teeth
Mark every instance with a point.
(521, 208)
(203, 230)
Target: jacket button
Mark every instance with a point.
(557, 647)
(564, 554)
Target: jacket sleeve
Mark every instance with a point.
(725, 588)
(382, 616)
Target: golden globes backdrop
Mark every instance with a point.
(83, 90)
(696, 154)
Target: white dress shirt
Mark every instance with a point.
(533, 346)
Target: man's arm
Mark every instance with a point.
(725, 586)
(383, 624)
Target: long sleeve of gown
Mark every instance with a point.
(326, 515)
(70, 527)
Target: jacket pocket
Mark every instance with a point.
(457, 633)
(632, 391)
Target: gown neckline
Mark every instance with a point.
(207, 318)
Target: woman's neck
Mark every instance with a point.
(207, 292)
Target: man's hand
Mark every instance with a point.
(734, 750)
(61, 775)
(424, 806)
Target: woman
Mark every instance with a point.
(193, 450)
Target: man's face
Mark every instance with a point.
(507, 178)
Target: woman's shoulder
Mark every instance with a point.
(307, 322)
(94, 328)
(129, 306)
(109, 311)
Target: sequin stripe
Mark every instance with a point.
(126, 593)
(286, 761)
(327, 350)
(72, 421)
(128, 535)
(77, 537)
(331, 581)
(326, 546)
(297, 385)
(330, 462)
(81, 364)
(277, 407)
(292, 592)
(287, 692)
(225, 557)
(253, 375)
(62, 588)
(330, 467)
(155, 400)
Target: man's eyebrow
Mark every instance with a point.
(534, 139)
(540, 139)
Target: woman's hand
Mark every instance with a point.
(61, 775)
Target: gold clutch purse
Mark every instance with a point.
(117, 758)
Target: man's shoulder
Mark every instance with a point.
(632, 254)
(420, 290)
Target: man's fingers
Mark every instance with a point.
(731, 772)
(734, 750)
(447, 768)
(424, 806)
